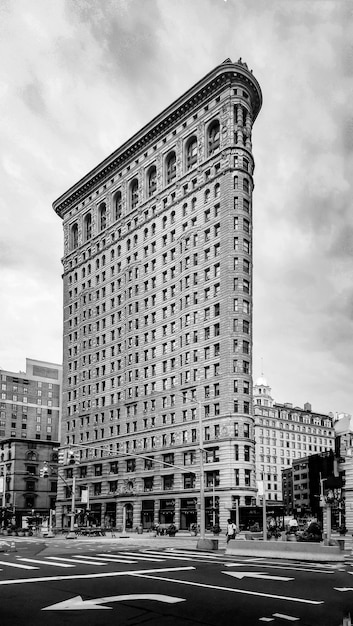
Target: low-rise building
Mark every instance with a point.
(27, 491)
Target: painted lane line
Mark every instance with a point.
(21, 558)
(94, 558)
(266, 619)
(231, 589)
(60, 558)
(44, 579)
(257, 575)
(77, 603)
(296, 569)
(18, 565)
(287, 617)
(154, 559)
(343, 588)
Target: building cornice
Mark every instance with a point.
(226, 73)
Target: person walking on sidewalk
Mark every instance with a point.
(231, 530)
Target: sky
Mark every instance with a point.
(79, 77)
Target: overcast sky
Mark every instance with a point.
(79, 77)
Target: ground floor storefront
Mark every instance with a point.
(131, 514)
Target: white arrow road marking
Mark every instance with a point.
(77, 603)
(18, 565)
(60, 558)
(286, 567)
(44, 579)
(256, 575)
(241, 591)
(343, 588)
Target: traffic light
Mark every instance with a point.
(73, 457)
(44, 471)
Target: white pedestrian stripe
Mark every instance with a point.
(287, 617)
(60, 558)
(94, 558)
(135, 554)
(266, 619)
(17, 565)
(204, 555)
(21, 558)
(169, 556)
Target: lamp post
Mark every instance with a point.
(72, 461)
(202, 477)
(327, 506)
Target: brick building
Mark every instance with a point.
(158, 314)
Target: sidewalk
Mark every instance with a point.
(182, 540)
(59, 543)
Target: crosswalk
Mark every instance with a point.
(104, 559)
(130, 557)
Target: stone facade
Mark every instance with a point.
(284, 433)
(158, 314)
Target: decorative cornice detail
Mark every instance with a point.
(231, 73)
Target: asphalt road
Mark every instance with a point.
(91, 584)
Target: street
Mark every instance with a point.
(165, 586)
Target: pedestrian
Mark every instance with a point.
(231, 530)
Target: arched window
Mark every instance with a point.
(117, 205)
(172, 217)
(102, 216)
(87, 227)
(213, 137)
(207, 195)
(217, 190)
(152, 181)
(164, 222)
(170, 172)
(74, 236)
(134, 193)
(191, 153)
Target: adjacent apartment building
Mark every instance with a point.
(158, 314)
(283, 433)
(30, 414)
(31, 402)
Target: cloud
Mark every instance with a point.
(77, 79)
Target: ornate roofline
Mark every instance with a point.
(227, 72)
